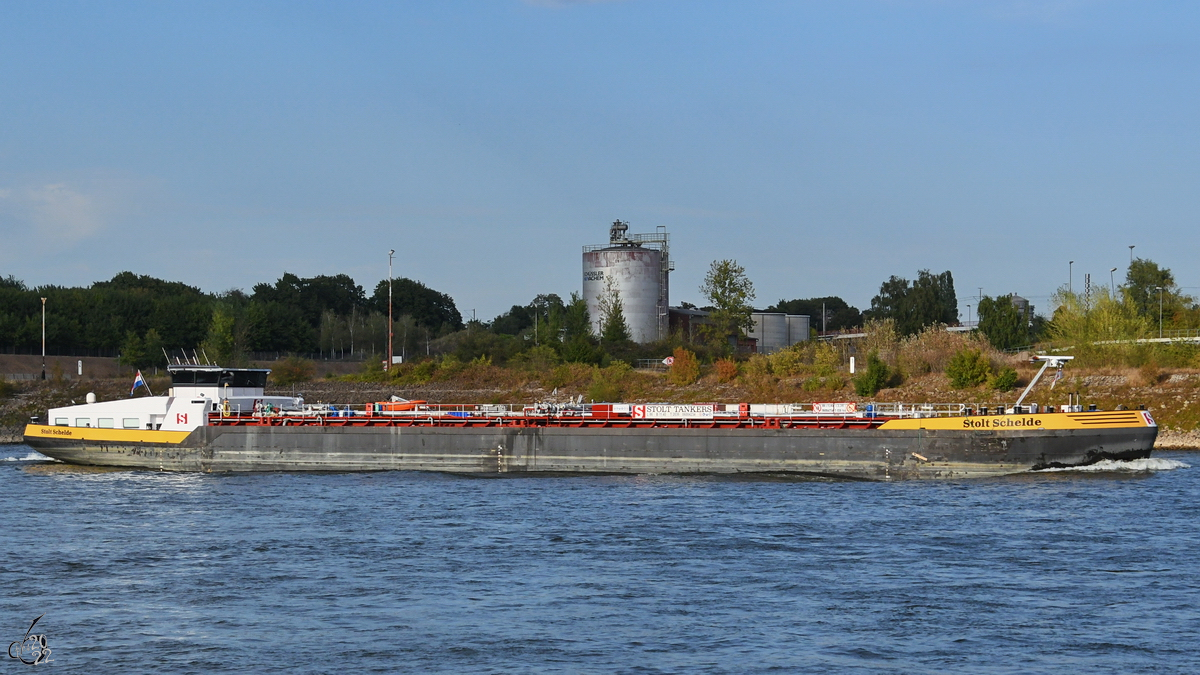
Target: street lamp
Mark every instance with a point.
(388, 365)
(1112, 282)
(43, 338)
(968, 315)
(1160, 310)
(1071, 277)
(1131, 254)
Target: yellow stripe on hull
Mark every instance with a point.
(1117, 419)
(106, 435)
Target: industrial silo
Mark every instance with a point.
(636, 267)
(771, 331)
(798, 331)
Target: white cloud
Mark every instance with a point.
(62, 212)
(70, 211)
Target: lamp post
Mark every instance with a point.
(1071, 277)
(1112, 282)
(388, 365)
(1131, 254)
(968, 315)
(43, 338)
(1160, 290)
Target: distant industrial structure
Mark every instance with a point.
(637, 267)
(774, 331)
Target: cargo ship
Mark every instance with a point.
(217, 419)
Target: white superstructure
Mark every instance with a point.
(196, 391)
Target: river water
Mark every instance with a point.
(1075, 571)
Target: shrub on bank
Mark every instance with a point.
(609, 384)
(293, 370)
(877, 376)
(1004, 380)
(726, 369)
(685, 369)
(969, 368)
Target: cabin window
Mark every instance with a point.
(129, 423)
(83, 421)
(244, 378)
(61, 421)
(104, 423)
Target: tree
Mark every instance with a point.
(613, 327)
(1002, 323)
(1141, 290)
(427, 307)
(219, 345)
(729, 292)
(913, 306)
(576, 320)
(838, 313)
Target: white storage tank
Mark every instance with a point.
(637, 267)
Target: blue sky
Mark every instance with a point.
(823, 145)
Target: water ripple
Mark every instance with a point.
(1063, 572)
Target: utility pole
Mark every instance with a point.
(43, 338)
(388, 365)
(823, 329)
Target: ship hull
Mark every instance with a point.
(863, 454)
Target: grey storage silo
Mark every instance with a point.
(771, 331)
(636, 267)
(798, 328)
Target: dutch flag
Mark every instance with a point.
(139, 381)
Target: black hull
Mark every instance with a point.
(874, 454)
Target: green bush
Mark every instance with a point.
(968, 368)
(787, 362)
(834, 382)
(608, 384)
(1004, 380)
(6, 389)
(538, 359)
(293, 370)
(580, 350)
(877, 376)
(757, 366)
